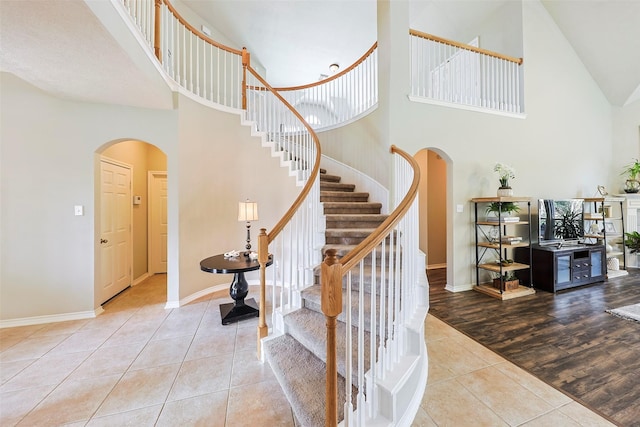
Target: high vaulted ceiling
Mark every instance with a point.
(297, 40)
(60, 47)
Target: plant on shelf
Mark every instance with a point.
(632, 171)
(632, 242)
(505, 173)
(502, 207)
(508, 279)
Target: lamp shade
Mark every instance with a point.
(247, 211)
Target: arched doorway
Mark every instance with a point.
(433, 195)
(126, 262)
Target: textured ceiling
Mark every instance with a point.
(63, 49)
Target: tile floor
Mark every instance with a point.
(141, 365)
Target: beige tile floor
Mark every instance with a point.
(139, 364)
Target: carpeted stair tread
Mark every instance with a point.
(302, 376)
(312, 300)
(336, 186)
(309, 328)
(344, 236)
(351, 207)
(342, 196)
(358, 282)
(354, 220)
(329, 178)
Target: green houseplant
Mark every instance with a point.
(502, 207)
(632, 242)
(632, 171)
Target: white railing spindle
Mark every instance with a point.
(452, 72)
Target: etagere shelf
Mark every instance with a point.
(494, 247)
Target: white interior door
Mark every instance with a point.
(115, 229)
(157, 222)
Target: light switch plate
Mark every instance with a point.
(79, 210)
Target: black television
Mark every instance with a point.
(560, 221)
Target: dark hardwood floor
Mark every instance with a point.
(565, 339)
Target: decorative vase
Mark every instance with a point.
(505, 192)
(631, 186)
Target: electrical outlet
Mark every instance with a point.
(79, 210)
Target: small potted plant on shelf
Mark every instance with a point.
(509, 280)
(632, 171)
(505, 209)
(505, 173)
(632, 242)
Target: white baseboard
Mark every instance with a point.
(37, 320)
(141, 279)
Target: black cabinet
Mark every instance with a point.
(554, 269)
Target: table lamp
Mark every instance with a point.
(248, 211)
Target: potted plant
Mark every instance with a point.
(505, 173)
(632, 171)
(509, 280)
(495, 208)
(632, 242)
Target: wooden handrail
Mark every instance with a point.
(332, 271)
(198, 33)
(314, 171)
(359, 252)
(465, 46)
(264, 239)
(335, 76)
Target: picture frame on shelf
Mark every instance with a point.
(606, 210)
(609, 227)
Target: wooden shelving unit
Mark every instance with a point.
(494, 246)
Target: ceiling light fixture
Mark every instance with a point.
(334, 68)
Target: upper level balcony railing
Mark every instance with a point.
(341, 98)
(449, 72)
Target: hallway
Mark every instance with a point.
(140, 364)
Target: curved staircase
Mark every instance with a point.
(298, 357)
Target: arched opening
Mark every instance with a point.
(131, 216)
(433, 211)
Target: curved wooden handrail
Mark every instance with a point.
(465, 46)
(359, 252)
(335, 76)
(332, 273)
(314, 171)
(198, 33)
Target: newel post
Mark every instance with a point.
(331, 285)
(156, 30)
(246, 61)
(263, 257)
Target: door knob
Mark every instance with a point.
(103, 241)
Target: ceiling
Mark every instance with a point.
(68, 52)
(297, 40)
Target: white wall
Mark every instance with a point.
(563, 148)
(48, 165)
(220, 165)
(626, 143)
(48, 149)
